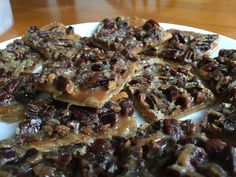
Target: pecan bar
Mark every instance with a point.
(130, 33)
(164, 91)
(49, 123)
(188, 47)
(153, 151)
(219, 73)
(17, 58)
(14, 93)
(54, 41)
(221, 123)
(91, 78)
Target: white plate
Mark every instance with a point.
(86, 29)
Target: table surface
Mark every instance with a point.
(214, 15)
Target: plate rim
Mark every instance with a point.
(162, 24)
(8, 126)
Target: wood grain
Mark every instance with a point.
(214, 15)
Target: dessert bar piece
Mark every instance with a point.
(49, 123)
(17, 63)
(91, 78)
(219, 73)
(161, 90)
(14, 93)
(164, 148)
(188, 47)
(130, 33)
(221, 123)
(17, 58)
(53, 41)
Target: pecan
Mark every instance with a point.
(172, 127)
(169, 53)
(96, 81)
(192, 156)
(61, 83)
(230, 155)
(121, 22)
(109, 118)
(85, 117)
(3, 72)
(187, 56)
(214, 146)
(5, 98)
(187, 127)
(69, 30)
(97, 67)
(11, 85)
(28, 154)
(181, 38)
(184, 100)
(8, 155)
(24, 96)
(210, 66)
(39, 109)
(101, 145)
(129, 56)
(229, 124)
(152, 52)
(43, 35)
(29, 126)
(172, 93)
(43, 170)
(33, 29)
(150, 24)
(62, 130)
(212, 169)
(127, 107)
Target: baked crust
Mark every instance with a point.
(91, 78)
(161, 90)
(131, 33)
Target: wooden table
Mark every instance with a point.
(213, 15)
